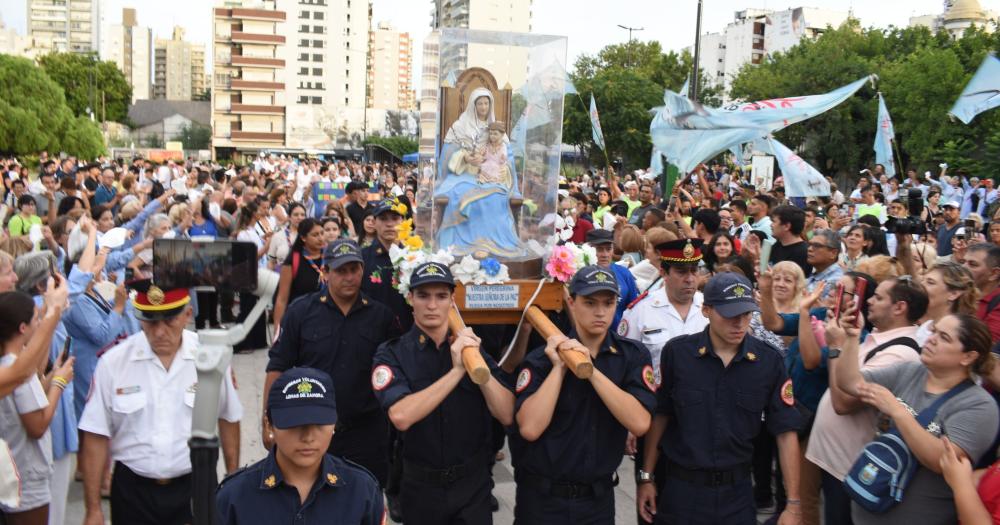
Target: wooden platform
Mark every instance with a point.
(495, 304)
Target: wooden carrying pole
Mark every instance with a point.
(578, 362)
(474, 363)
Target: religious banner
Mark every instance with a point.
(595, 123)
(982, 93)
(885, 134)
(801, 179)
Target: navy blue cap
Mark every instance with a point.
(430, 273)
(599, 236)
(385, 206)
(354, 186)
(731, 294)
(341, 252)
(302, 396)
(592, 279)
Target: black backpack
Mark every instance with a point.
(905, 341)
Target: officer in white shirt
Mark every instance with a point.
(660, 315)
(139, 413)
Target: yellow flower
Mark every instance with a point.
(414, 242)
(405, 229)
(400, 208)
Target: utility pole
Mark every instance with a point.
(630, 30)
(693, 94)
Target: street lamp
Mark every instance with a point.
(630, 30)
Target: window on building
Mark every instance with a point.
(347, 73)
(303, 100)
(318, 44)
(304, 57)
(317, 100)
(304, 42)
(347, 87)
(318, 71)
(304, 14)
(303, 71)
(303, 29)
(319, 30)
(317, 58)
(319, 85)
(318, 15)
(347, 101)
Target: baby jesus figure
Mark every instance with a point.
(493, 168)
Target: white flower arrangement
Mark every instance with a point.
(468, 270)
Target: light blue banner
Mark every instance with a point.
(884, 136)
(982, 93)
(801, 179)
(595, 123)
(688, 133)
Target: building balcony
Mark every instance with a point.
(253, 109)
(257, 136)
(241, 37)
(258, 14)
(240, 60)
(251, 85)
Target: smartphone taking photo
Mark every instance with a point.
(225, 265)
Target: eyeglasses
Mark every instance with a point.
(818, 245)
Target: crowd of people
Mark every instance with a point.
(747, 348)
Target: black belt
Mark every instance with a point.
(708, 478)
(445, 476)
(123, 472)
(566, 489)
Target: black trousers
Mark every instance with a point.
(136, 500)
(365, 442)
(534, 507)
(659, 472)
(257, 338)
(464, 502)
(685, 503)
(208, 310)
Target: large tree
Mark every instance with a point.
(90, 84)
(34, 115)
(627, 80)
(920, 75)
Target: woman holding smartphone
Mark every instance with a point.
(254, 226)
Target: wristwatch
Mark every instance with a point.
(644, 477)
(833, 353)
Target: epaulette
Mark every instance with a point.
(637, 299)
(235, 473)
(359, 467)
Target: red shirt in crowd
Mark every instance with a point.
(580, 229)
(991, 318)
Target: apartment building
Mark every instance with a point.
(390, 75)
(180, 68)
(130, 47)
(65, 25)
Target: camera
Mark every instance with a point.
(912, 224)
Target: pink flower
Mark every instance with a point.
(561, 264)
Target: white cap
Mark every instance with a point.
(951, 204)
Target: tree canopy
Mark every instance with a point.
(627, 80)
(920, 75)
(90, 83)
(34, 115)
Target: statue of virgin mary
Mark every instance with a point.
(477, 218)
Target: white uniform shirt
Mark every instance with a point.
(145, 410)
(653, 321)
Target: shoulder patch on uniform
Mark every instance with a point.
(649, 377)
(523, 380)
(381, 377)
(787, 393)
(622, 327)
(637, 299)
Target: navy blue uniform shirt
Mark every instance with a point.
(315, 333)
(583, 442)
(377, 283)
(715, 411)
(344, 494)
(460, 427)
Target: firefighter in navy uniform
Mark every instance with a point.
(658, 316)
(298, 482)
(337, 330)
(376, 283)
(715, 386)
(377, 280)
(445, 418)
(571, 431)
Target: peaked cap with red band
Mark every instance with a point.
(681, 251)
(154, 304)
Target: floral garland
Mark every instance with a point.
(411, 253)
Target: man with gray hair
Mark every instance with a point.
(822, 254)
(33, 271)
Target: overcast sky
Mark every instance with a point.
(589, 24)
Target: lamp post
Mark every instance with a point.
(693, 88)
(630, 30)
